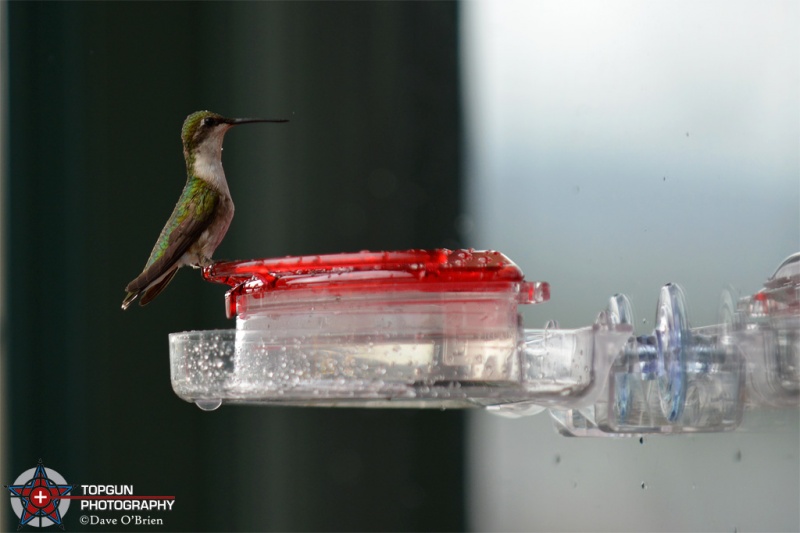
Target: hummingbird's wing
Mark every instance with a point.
(192, 215)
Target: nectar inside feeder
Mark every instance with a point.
(418, 328)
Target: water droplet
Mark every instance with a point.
(208, 405)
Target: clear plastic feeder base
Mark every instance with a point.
(441, 329)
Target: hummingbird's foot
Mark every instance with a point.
(203, 262)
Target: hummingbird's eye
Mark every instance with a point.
(209, 121)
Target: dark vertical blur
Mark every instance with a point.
(370, 160)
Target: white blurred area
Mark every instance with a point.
(614, 147)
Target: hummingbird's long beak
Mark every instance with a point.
(235, 121)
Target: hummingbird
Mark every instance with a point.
(203, 213)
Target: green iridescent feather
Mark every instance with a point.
(197, 203)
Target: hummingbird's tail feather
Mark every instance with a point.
(155, 289)
(129, 298)
(149, 293)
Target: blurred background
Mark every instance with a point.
(615, 147)
(605, 148)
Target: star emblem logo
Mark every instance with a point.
(38, 493)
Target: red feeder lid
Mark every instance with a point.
(439, 270)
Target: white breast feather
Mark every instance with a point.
(208, 162)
